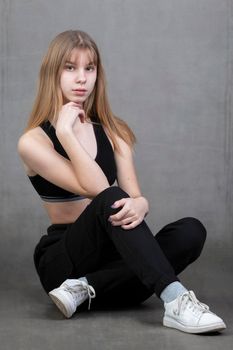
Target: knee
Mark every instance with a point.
(115, 191)
(194, 233)
(111, 194)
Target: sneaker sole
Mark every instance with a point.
(67, 312)
(217, 327)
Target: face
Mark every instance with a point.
(78, 77)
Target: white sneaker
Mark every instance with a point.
(187, 314)
(70, 295)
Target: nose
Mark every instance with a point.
(81, 77)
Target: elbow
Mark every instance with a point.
(92, 191)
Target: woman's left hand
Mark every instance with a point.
(132, 213)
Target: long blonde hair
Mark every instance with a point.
(49, 97)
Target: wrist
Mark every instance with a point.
(66, 131)
(145, 204)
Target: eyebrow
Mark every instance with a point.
(88, 64)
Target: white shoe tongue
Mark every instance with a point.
(74, 282)
(194, 304)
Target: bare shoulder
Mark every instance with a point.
(125, 150)
(29, 144)
(31, 138)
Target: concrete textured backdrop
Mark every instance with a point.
(169, 72)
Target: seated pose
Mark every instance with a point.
(98, 247)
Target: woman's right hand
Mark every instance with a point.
(70, 114)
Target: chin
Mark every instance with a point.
(79, 100)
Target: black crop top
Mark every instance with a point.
(105, 158)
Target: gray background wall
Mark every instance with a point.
(170, 74)
(169, 65)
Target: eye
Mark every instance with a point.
(69, 68)
(90, 68)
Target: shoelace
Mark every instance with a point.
(84, 288)
(189, 299)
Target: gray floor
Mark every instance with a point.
(29, 320)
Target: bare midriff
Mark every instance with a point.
(65, 212)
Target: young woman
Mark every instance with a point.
(98, 244)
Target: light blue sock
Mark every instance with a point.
(172, 291)
(83, 279)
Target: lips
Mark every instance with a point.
(79, 92)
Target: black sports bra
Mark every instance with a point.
(105, 158)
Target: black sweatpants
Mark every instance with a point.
(123, 266)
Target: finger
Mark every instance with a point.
(124, 212)
(79, 105)
(77, 109)
(82, 116)
(124, 221)
(119, 203)
(79, 113)
(131, 225)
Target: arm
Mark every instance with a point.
(136, 207)
(89, 174)
(80, 175)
